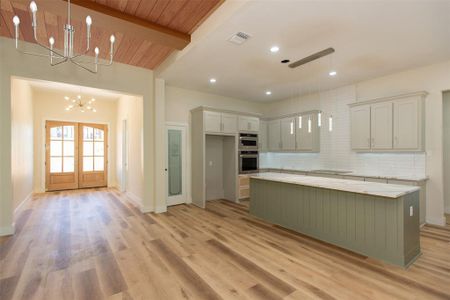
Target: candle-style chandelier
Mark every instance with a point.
(69, 54)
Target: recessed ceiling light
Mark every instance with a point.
(213, 80)
(274, 49)
(332, 73)
(268, 93)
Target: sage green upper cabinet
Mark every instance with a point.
(307, 133)
(360, 127)
(381, 126)
(391, 124)
(248, 124)
(274, 132)
(213, 121)
(288, 134)
(407, 121)
(216, 122)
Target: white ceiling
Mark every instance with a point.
(371, 38)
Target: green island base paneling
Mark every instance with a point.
(374, 226)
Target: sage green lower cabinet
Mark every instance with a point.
(374, 226)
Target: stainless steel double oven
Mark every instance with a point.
(248, 153)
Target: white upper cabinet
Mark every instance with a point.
(274, 132)
(262, 136)
(307, 133)
(229, 123)
(360, 127)
(390, 124)
(212, 121)
(248, 124)
(288, 134)
(381, 126)
(407, 124)
(216, 122)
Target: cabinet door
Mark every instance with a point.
(304, 128)
(229, 123)
(381, 126)
(212, 121)
(288, 134)
(406, 124)
(244, 123)
(360, 127)
(262, 136)
(274, 131)
(253, 124)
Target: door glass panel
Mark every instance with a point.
(99, 149)
(56, 164)
(69, 165)
(56, 133)
(56, 148)
(69, 148)
(88, 148)
(99, 163)
(69, 133)
(88, 133)
(88, 164)
(174, 162)
(98, 134)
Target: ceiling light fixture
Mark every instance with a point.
(78, 103)
(274, 49)
(212, 80)
(268, 93)
(69, 54)
(332, 73)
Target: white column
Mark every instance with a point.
(160, 147)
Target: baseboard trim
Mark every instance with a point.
(436, 221)
(22, 204)
(7, 230)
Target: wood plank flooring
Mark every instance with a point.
(93, 244)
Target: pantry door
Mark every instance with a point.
(93, 158)
(61, 151)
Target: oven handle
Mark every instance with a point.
(248, 155)
(245, 138)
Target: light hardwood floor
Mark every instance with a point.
(93, 244)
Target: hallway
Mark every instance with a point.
(93, 244)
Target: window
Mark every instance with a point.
(93, 149)
(62, 149)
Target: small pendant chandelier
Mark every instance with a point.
(56, 57)
(79, 104)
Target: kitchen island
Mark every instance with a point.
(374, 219)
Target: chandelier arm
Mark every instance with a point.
(49, 49)
(60, 62)
(84, 67)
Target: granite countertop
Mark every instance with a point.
(353, 186)
(355, 174)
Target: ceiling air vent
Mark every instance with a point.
(239, 38)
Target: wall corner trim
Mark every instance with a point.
(22, 204)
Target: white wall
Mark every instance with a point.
(129, 108)
(50, 106)
(22, 134)
(434, 79)
(118, 77)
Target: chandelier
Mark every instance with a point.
(79, 104)
(69, 54)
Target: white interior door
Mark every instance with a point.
(176, 164)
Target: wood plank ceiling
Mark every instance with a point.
(179, 16)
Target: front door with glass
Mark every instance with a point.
(61, 156)
(76, 155)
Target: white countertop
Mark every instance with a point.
(358, 174)
(353, 186)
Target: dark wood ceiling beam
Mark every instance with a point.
(117, 21)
